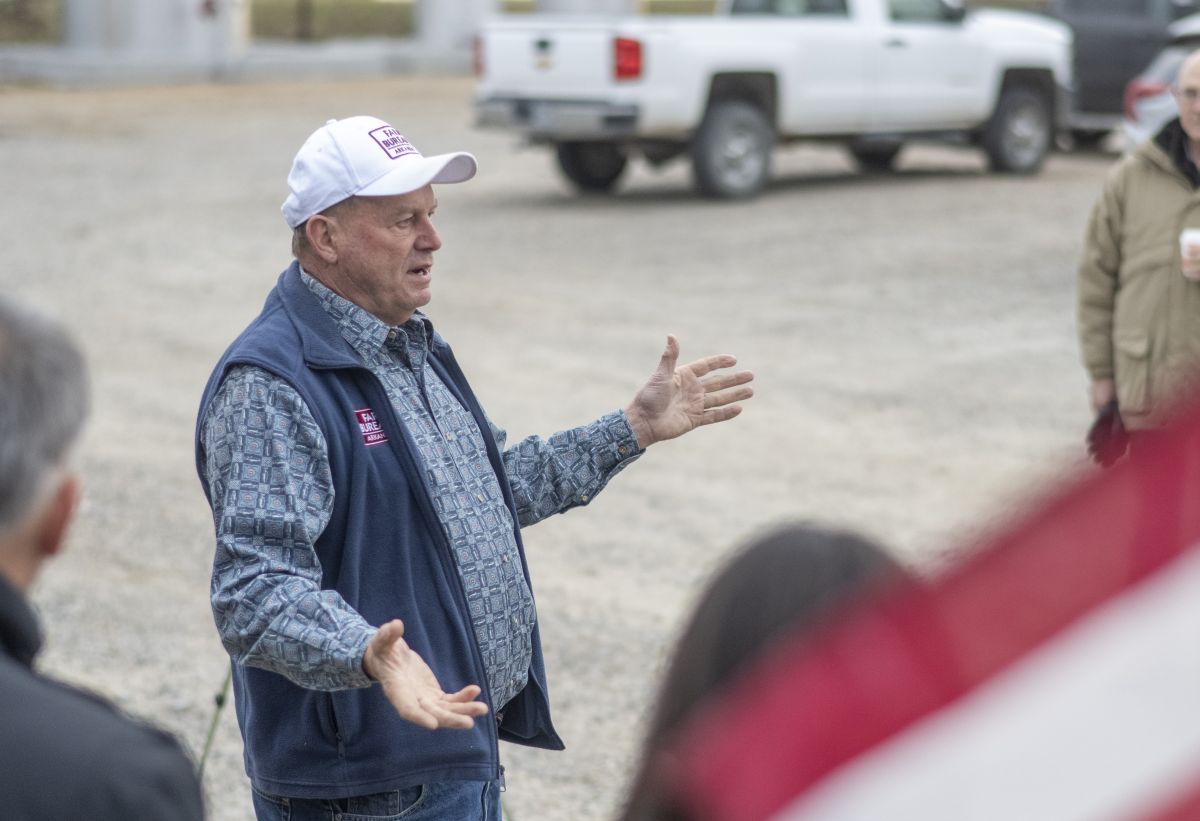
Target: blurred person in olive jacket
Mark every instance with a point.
(1139, 293)
(63, 753)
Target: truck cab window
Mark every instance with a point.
(1121, 7)
(918, 11)
(792, 8)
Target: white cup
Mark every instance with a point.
(1189, 246)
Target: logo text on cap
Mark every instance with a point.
(392, 141)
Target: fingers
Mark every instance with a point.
(722, 414)
(434, 710)
(699, 367)
(468, 693)
(711, 363)
(468, 709)
(448, 712)
(670, 355)
(717, 399)
(390, 632)
(729, 380)
(455, 715)
(727, 388)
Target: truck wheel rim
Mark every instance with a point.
(740, 157)
(1025, 136)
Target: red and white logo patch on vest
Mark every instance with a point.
(372, 433)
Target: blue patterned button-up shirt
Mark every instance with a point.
(266, 460)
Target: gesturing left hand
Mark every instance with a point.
(411, 686)
(677, 399)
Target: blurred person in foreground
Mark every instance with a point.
(1139, 282)
(63, 753)
(784, 583)
(369, 580)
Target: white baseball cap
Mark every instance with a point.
(362, 156)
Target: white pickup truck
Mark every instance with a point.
(725, 89)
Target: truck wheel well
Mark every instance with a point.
(757, 88)
(1035, 79)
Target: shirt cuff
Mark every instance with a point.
(624, 441)
(353, 675)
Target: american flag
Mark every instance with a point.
(1051, 674)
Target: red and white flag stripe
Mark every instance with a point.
(1054, 674)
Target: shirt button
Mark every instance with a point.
(449, 437)
(583, 498)
(621, 450)
(479, 497)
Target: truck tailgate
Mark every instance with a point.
(556, 57)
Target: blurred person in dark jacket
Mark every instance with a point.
(788, 581)
(1139, 284)
(63, 753)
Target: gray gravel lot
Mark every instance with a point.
(912, 336)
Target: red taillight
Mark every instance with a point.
(477, 56)
(627, 54)
(1137, 90)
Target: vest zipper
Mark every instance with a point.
(448, 565)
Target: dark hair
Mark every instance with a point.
(781, 583)
(43, 404)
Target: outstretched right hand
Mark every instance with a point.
(411, 686)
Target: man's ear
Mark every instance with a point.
(321, 231)
(56, 518)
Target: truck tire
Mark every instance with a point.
(731, 151)
(1020, 132)
(592, 167)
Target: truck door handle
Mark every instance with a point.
(896, 42)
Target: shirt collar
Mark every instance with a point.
(1174, 142)
(365, 332)
(20, 636)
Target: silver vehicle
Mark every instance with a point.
(1114, 40)
(1149, 104)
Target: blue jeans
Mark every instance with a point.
(444, 801)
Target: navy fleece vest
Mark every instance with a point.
(387, 555)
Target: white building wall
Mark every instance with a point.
(122, 41)
(183, 29)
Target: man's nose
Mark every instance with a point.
(429, 239)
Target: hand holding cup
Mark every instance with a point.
(1189, 253)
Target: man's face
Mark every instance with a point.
(385, 251)
(1187, 95)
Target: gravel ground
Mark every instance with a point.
(912, 336)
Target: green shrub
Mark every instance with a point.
(328, 19)
(30, 21)
(678, 6)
